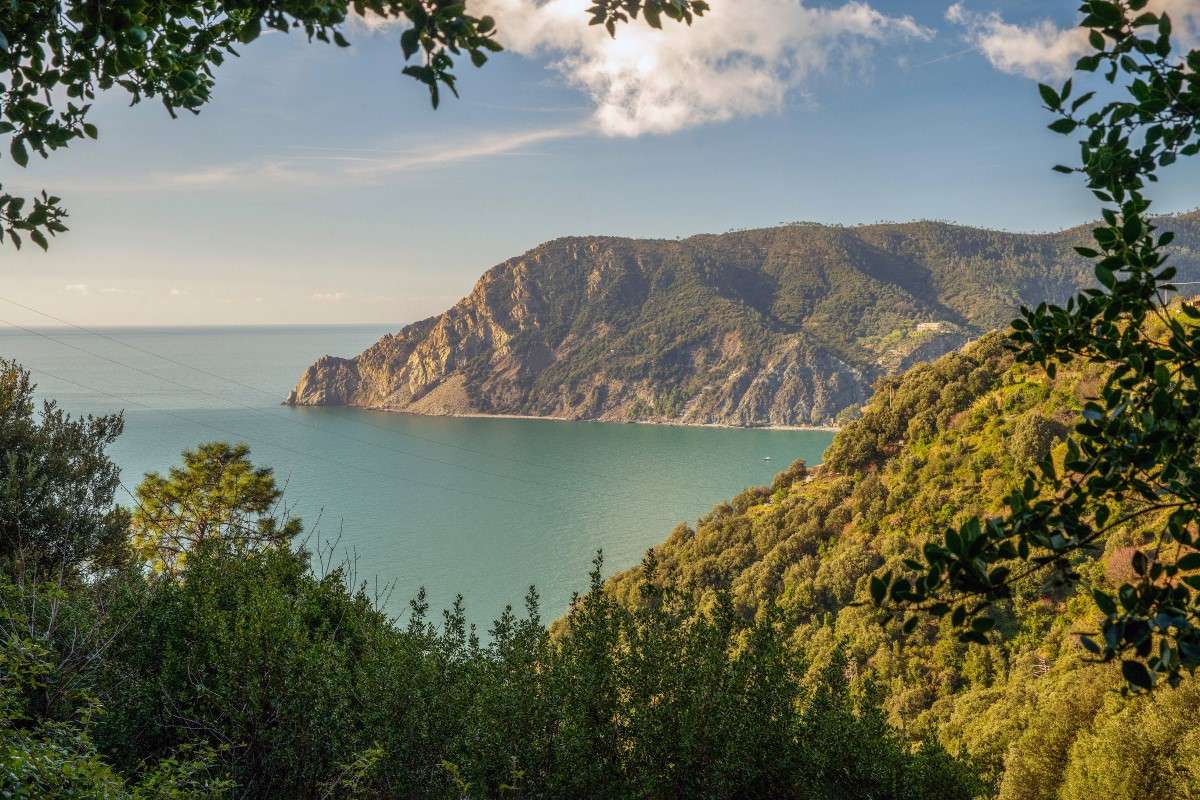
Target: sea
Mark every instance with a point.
(478, 507)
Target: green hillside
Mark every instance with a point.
(943, 442)
(786, 325)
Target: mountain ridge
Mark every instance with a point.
(789, 325)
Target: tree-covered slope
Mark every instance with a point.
(943, 442)
(197, 649)
(788, 325)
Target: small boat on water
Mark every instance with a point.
(766, 458)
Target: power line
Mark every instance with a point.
(292, 420)
(363, 422)
(581, 492)
(539, 484)
(300, 453)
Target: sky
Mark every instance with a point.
(320, 187)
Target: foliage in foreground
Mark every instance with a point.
(939, 445)
(241, 672)
(1133, 457)
(55, 57)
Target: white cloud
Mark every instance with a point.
(741, 59)
(118, 290)
(173, 292)
(76, 288)
(1042, 50)
(330, 297)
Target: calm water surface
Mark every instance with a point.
(481, 507)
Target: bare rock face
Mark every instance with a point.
(332, 381)
(786, 326)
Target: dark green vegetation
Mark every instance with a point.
(1133, 458)
(56, 56)
(211, 659)
(790, 325)
(942, 444)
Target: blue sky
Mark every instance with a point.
(320, 187)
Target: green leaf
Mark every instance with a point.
(1135, 673)
(973, 637)
(250, 31)
(1104, 601)
(878, 589)
(1132, 228)
(1190, 561)
(410, 42)
(19, 153)
(1049, 96)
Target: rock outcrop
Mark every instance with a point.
(785, 326)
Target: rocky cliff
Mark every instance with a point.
(783, 326)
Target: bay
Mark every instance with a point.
(483, 507)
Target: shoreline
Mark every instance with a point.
(676, 424)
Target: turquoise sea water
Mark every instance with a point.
(481, 507)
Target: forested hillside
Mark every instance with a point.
(788, 325)
(945, 441)
(201, 645)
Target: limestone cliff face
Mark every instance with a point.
(786, 326)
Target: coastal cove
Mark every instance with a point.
(485, 506)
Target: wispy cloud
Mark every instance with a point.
(302, 165)
(1041, 50)
(938, 59)
(330, 297)
(274, 171)
(76, 288)
(484, 147)
(117, 290)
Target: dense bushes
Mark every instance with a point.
(239, 671)
(56, 485)
(302, 689)
(941, 443)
